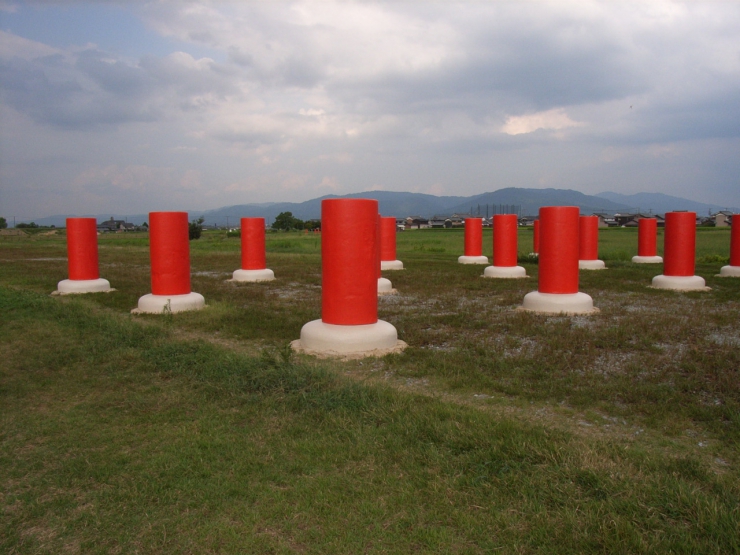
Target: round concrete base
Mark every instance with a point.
(729, 271)
(160, 304)
(505, 272)
(253, 275)
(552, 303)
(472, 259)
(76, 286)
(391, 265)
(680, 283)
(591, 265)
(647, 259)
(319, 338)
(385, 287)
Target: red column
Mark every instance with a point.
(474, 237)
(349, 261)
(169, 251)
(558, 260)
(735, 241)
(387, 238)
(505, 239)
(82, 248)
(378, 258)
(680, 244)
(588, 238)
(253, 244)
(536, 237)
(647, 237)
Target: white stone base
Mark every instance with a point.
(552, 303)
(680, 283)
(159, 304)
(472, 259)
(729, 271)
(591, 265)
(505, 272)
(76, 286)
(647, 259)
(391, 265)
(378, 339)
(385, 287)
(253, 275)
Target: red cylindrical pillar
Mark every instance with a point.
(558, 260)
(387, 238)
(349, 261)
(473, 236)
(377, 245)
(169, 251)
(536, 237)
(679, 256)
(588, 238)
(505, 239)
(82, 248)
(647, 237)
(253, 244)
(735, 241)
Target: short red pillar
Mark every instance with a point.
(588, 241)
(679, 253)
(349, 322)
(82, 248)
(473, 242)
(82, 259)
(385, 287)
(735, 241)
(680, 244)
(647, 242)
(169, 253)
(254, 266)
(536, 237)
(558, 264)
(505, 250)
(733, 270)
(388, 245)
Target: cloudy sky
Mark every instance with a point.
(127, 107)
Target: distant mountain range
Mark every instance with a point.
(418, 204)
(659, 203)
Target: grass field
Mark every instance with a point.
(496, 431)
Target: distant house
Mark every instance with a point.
(630, 219)
(414, 221)
(723, 218)
(527, 221)
(605, 220)
(115, 225)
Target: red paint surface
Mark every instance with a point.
(536, 237)
(505, 240)
(588, 238)
(679, 253)
(474, 237)
(82, 248)
(558, 260)
(387, 238)
(350, 261)
(169, 251)
(647, 237)
(253, 244)
(735, 241)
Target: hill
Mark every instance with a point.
(660, 203)
(401, 204)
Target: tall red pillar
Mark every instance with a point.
(254, 265)
(82, 259)
(679, 254)
(647, 242)
(349, 323)
(588, 241)
(505, 248)
(473, 242)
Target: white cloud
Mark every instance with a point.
(555, 119)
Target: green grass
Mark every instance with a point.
(495, 431)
